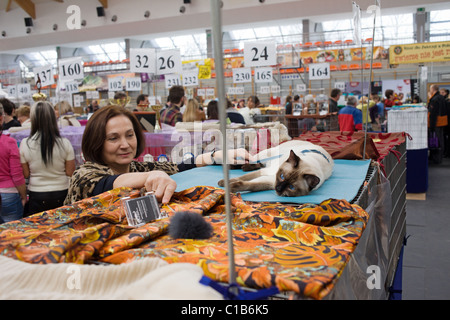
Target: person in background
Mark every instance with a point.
(9, 110)
(416, 99)
(350, 118)
(241, 104)
(374, 113)
(250, 110)
(445, 93)
(288, 106)
(437, 121)
(13, 190)
(65, 115)
(113, 138)
(193, 112)
(93, 106)
(23, 115)
(212, 110)
(172, 114)
(364, 105)
(234, 115)
(142, 101)
(335, 94)
(46, 157)
(389, 100)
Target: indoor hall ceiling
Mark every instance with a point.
(29, 6)
(167, 20)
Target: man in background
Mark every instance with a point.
(350, 118)
(172, 114)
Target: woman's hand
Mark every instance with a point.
(160, 183)
(156, 181)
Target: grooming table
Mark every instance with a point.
(344, 183)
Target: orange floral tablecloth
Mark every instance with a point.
(302, 248)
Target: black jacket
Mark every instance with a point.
(436, 107)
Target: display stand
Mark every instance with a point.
(300, 124)
(413, 120)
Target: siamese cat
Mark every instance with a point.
(292, 169)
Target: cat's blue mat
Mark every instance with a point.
(344, 183)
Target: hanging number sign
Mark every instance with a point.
(319, 71)
(168, 61)
(23, 89)
(133, 84)
(242, 75)
(70, 69)
(115, 84)
(172, 80)
(190, 78)
(260, 54)
(263, 75)
(12, 90)
(71, 86)
(143, 60)
(45, 74)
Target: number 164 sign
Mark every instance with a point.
(319, 71)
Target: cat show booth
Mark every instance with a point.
(342, 241)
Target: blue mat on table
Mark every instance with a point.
(344, 183)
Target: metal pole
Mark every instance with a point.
(218, 57)
(370, 75)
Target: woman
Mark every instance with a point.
(46, 157)
(193, 112)
(212, 110)
(13, 191)
(250, 110)
(288, 105)
(23, 115)
(64, 114)
(112, 139)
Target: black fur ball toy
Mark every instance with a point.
(189, 225)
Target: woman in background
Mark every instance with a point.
(251, 109)
(64, 114)
(13, 191)
(47, 159)
(193, 112)
(23, 115)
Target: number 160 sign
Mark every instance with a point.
(70, 69)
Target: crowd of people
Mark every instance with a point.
(113, 138)
(111, 141)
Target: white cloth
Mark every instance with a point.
(53, 177)
(149, 278)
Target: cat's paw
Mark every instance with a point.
(221, 183)
(236, 186)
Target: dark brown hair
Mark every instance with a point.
(95, 133)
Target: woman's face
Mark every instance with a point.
(250, 103)
(120, 144)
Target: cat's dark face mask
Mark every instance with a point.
(292, 181)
